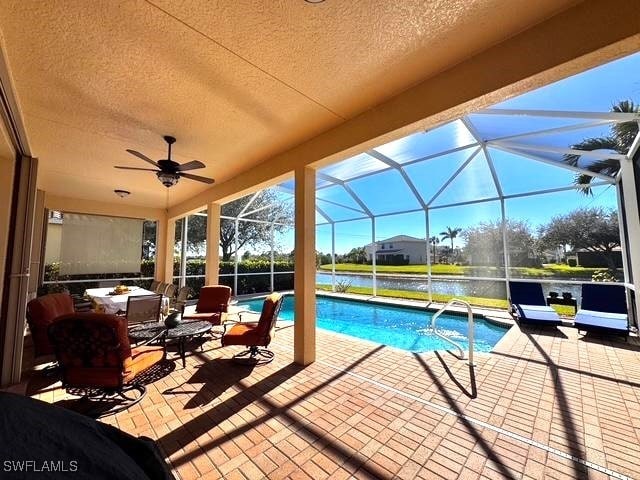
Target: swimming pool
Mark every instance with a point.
(398, 327)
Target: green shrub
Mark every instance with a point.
(603, 276)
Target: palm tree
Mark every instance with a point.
(434, 241)
(619, 140)
(450, 233)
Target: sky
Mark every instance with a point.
(595, 90)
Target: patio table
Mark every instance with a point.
(180, 334)
(105, 302)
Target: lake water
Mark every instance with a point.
(453, 286)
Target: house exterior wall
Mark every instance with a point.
(413, 252)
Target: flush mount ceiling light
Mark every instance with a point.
(122, 193)
(314, 1)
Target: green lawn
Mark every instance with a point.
(548, 270)
(441, 298)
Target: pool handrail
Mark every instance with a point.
(451, 302)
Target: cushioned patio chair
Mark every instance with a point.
(97, 360)
(212, 303)
(255, 334)
(41, 312)
(603, 310)
(529, 306)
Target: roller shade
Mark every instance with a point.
(96, 244)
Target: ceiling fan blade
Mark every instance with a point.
(135, 168)
(192, 165)
(143, 157)
(197, 178)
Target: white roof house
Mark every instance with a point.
(398, 250)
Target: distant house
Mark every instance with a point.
(398, 250)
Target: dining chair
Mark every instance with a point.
(143, 309)
(181, 299)
(170, 291)
(154, 286)
(160, 288)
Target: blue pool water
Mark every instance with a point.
(398, 327)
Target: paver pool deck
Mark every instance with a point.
(544, 404)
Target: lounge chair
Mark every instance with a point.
(603, 310)
(528, 305)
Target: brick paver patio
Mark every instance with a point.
(544, 404)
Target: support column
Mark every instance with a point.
(235, 258)
(183, 252)
(632, 220)
(304, 344)
(271, 258)
(426, 226)
(333, 257)
(505, 247)
(161, 247)
(374, 256)
(167, 252)
(212, 263)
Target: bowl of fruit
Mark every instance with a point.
(120, 289)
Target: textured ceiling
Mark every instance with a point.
(236, 82)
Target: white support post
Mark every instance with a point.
(505, 247)
(374, 255)
(183, 252)
(623, 235)
(333, 257)
(632, 220)
(271, 279)
(426, 224)
(235, 266)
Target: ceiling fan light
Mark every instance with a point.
(168, 179)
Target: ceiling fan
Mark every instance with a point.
(169, 171)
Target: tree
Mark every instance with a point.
(356, 255)
(434, 241)
(485, 245)
(450, 233)
(619, 140)
(196, 232)
(593, 229)
(267, 207)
